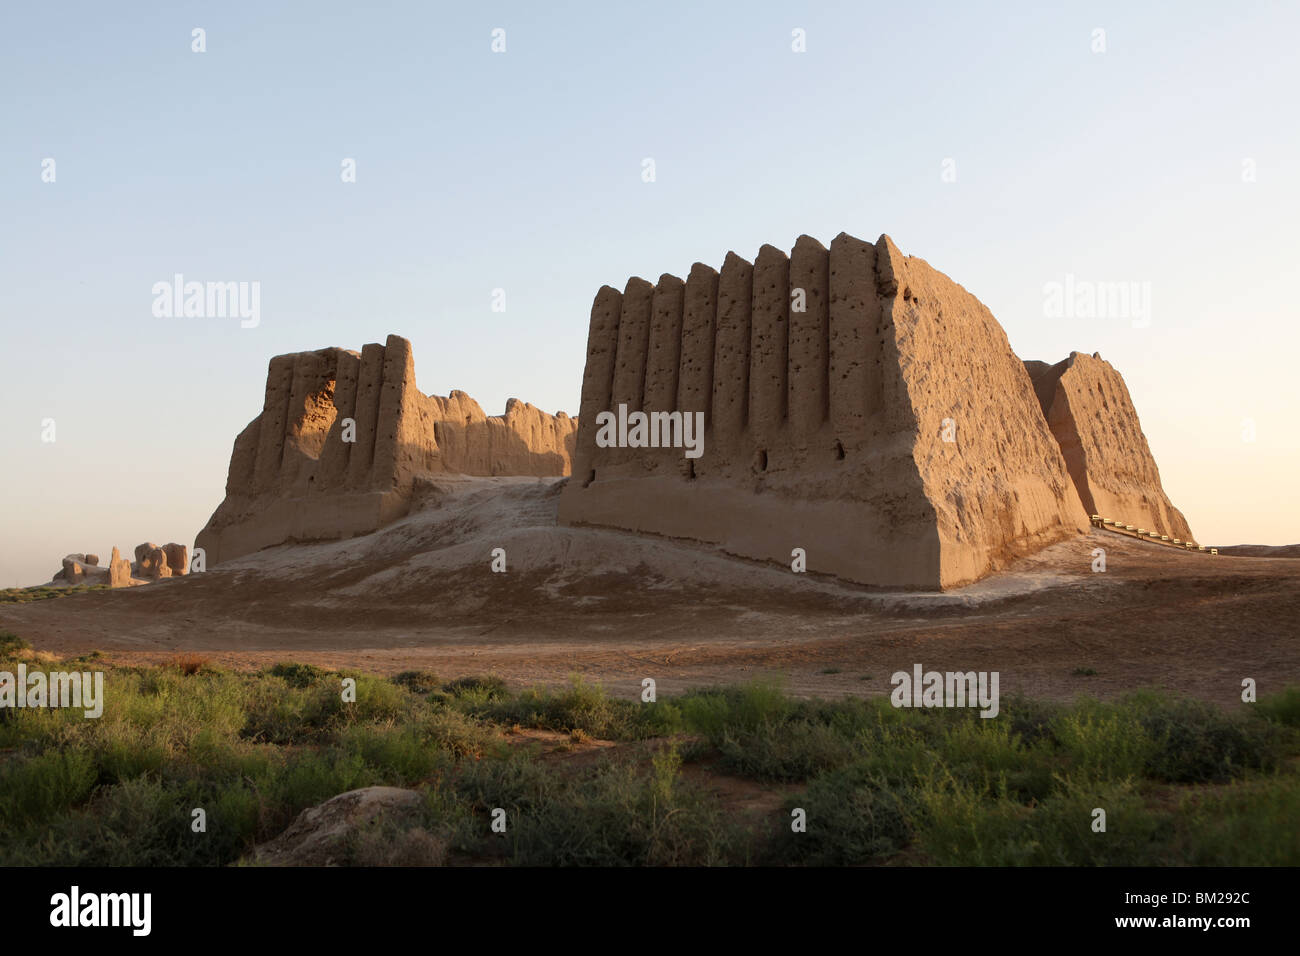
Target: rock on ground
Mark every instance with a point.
(373, 826)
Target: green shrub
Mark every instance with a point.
(1281, 708)
(377, 699)
(398, 755)
(956, 825)
(311, 778)
(791, 751)
(716, 711)
(1104, 744)
(147, 822)
(883, 784)
(1247, 823)
(579, 707)
(37, 788)
(852, 817)
(11, 644)
(616, 815)
(478, 688)
(1030, 719)
(457, 734)
(297, 675)
(1197, 743)
(417, 682)
(294, 715)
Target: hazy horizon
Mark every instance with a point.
(1003, 149)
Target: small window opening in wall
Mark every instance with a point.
(760, 460)
(839, 451)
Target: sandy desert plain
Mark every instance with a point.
(616, 607)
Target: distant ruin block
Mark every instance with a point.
(79, 569)
(294, 477)
(119, 570)
(178, 558)
(150, 562)
(1089, 410)
(876, 417)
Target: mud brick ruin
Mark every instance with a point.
(886, 427)
(293, 477)
(858, 404)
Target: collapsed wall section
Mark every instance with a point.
(1090, 412)
(825, 378)
(343, 438)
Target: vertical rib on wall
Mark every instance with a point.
(730, 364)
(854, 353)
(399, 374)
(699, 320)
(370, 380)
(665, 356)
(630, 364)
(809, 368)
(275, 414)
(663, 363)
(769, 353)
(695, 386)
(598, 376)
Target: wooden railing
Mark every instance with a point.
(1119, 527)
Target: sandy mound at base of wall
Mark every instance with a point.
(434, 567)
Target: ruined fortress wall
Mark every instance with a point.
(293, 477)
(1089, 410)
(823, 422)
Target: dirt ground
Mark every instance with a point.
(618, 608)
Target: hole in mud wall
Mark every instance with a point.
(690, 470)
(839, 451)
(591, 476)
(760, 460)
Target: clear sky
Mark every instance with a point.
(1171, 159)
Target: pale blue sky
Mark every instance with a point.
(522, 171)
